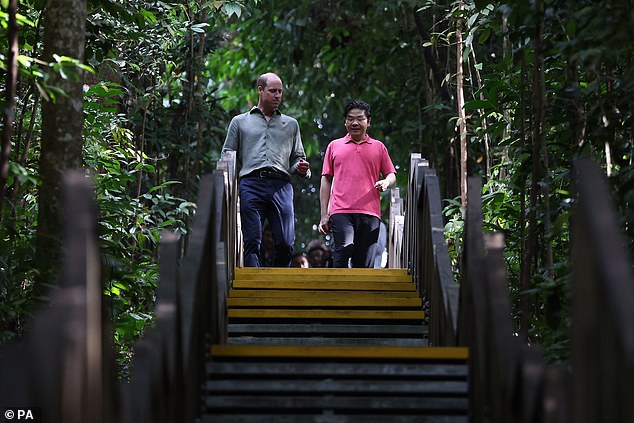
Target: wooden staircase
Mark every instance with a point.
(331, 345)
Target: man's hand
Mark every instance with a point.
(324, 225)
(382, 185)
(302, 167)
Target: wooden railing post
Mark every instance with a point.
(395, 230)
(425, 252)
(66, 365)
(195, 268)
(168, 323)
(603, 305)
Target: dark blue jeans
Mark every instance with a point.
(270, 199)
(355, 237)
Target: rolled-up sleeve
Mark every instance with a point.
(232, 140)
(297, 152)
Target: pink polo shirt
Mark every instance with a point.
(356, 168)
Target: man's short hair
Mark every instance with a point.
(358, 104)
(264, 79)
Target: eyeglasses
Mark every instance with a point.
(361, 119)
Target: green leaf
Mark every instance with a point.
(478, 104)
(230, 9)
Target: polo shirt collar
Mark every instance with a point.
(367, 139)
(255, 109)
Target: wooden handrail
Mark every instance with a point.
(510, 381)
(602, 305)
(66, 368)
(422, 249)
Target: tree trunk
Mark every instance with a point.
(200, 62)
(62, 142)
(429, 58)
(575, 106)
(9, 108)
(462, 117)
(537, 170)
(525, 250)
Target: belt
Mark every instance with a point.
(267, 173)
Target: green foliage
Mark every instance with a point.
(151, 128)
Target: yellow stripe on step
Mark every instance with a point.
(324, 277)
(247, 271)
(309, 301)
(252, 313)
(343, 352)
(322, 285)
(332, 295)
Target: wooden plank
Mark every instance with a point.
(395, 353)
(377, 403)
(334, 295)
(282, 369)
(221, 386)
(314, 277)
(264, 313)
(308, 301)
(329, 341)
(390, 330)
(332, 418)
(245, 271)
(324, 286)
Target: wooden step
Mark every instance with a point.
(324, 329)
(329, 341)
(377, 404)
(319, 314)
(320, 301)
(323, 285)
(334, 295)
(259, 271)
(221, 386)
(454, 370)
(319, 334)
(329, 416)
(341, 352)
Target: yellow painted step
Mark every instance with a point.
(251, 313)
(246, 271)
(334, 295)
(339, 352)
(310, 301)
(323, 285)
(326, 278)
(350, 275)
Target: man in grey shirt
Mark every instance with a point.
(269, 148)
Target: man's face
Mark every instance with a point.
(357, 123)
(271, 95)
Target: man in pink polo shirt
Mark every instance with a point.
(356, 168)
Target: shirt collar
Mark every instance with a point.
(255, 109)
(367, 139)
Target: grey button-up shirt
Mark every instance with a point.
(260, 143)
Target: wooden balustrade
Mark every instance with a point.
(510, 381)
(422, 249)
(65, 368)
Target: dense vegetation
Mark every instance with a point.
(538, 84)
